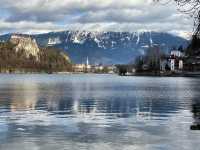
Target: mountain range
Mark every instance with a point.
(106, 47)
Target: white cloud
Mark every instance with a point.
(28, 27)
(130, 15)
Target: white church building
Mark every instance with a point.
(173, 62)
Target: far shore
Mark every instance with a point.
(61, 73)
(165, 74)
(137, 74)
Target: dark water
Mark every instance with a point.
(98, 112)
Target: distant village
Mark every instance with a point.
(99, 68)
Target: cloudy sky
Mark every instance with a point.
(39, 16)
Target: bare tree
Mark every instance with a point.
(190, 7)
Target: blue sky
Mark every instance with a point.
(41, 16)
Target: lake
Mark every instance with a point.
(97, 112)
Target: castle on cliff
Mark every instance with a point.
(26, 43)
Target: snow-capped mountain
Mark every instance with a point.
(54, 41)
(107, 47)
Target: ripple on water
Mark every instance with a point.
(98, 111)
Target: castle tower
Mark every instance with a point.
(26, 43)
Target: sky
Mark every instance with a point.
(42, 16)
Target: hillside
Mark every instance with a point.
(22, 54)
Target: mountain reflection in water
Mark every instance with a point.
(98, 111)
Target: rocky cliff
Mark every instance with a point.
(22, 54)
(27, 44)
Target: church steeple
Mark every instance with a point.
(87, 62)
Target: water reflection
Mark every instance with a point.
(24, 96)
(91, 112)
(196, 115)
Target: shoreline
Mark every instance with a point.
(53, 73)
(168, 74)
(142, 74)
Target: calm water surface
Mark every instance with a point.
(98, 112)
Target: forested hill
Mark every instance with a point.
(22, 54)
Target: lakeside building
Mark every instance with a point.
(176, 60)
(82, 67)
(173, 62)
(79, 67)
(99, 68)
(112, 69)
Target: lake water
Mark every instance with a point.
(98, 112)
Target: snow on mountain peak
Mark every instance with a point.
(138, 38)
(54, 41)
